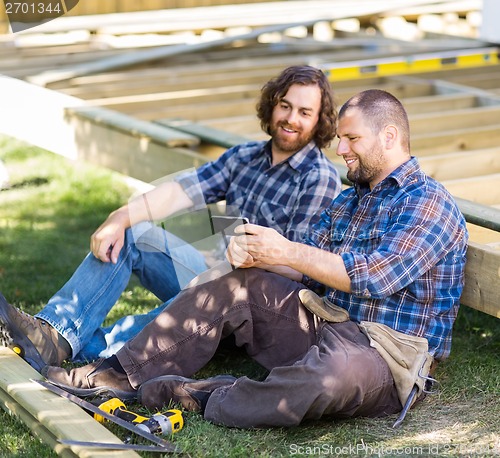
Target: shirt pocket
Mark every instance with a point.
(274, 216)
(368, 239)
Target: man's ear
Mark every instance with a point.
(390, 136)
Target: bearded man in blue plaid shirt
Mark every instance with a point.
(283, 183)
(388, 257)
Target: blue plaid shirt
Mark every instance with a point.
(287, 197)
(403, 245)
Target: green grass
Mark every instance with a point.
(46, 219)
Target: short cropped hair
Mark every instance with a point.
(380, 109)
(275, 89)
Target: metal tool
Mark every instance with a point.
(110, 446)
(164, 445)
(428, 389)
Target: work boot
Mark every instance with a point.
(31, 338)
(104, 377)
(191, 394)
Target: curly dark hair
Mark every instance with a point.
(275, 89)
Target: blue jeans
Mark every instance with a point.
(163, 263)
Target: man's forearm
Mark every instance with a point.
(157, 204)
(320, 265)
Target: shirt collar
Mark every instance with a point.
(400, 176)
(298, 160)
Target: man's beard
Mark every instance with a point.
(285, 145)
(368, 169)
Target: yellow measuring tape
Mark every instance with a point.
(411, 64)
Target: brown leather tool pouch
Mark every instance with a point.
(322, 307)
(407, 357)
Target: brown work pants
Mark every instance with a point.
(316, 368)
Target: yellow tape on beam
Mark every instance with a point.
(410, 64)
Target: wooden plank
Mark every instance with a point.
(195, 96)
(323, 13)
(462, 164)
(218, 17)
(471, 77)
(138, 156)
(200, 104)
(57, 127)
(165, 80)
(434, 103)
(95, 8)
(481, 215)
(459, 140)
(204, 133)
(150, 55)
(14, 408)
(248, 125)
(419, 63)
(458, 119)
(226, 107)
(482, 279)
(134, 127)
(486, 81)
(59, 417)
(484, 189)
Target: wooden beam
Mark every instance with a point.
(212, 103)
(160, 80)
(65, 126)
(479, 116)
(434, 103)
(173, 99)
(219, 16)
(482, 279)
(49, 415)
(484, 189)
(204, 133)
(462, 164)
(139, 156)
(455, 140)
(133, 127)
(322, 13)
(481, 215)
(150, 55)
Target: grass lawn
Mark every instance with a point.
(46, 218)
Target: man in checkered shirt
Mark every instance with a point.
(283, 183)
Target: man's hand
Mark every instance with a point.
(237, 253)
(265, 248)
(259, 246)
(262, 247)
(107, 241)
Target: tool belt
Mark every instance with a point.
(407, 356)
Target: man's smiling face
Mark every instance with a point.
(295, 118)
